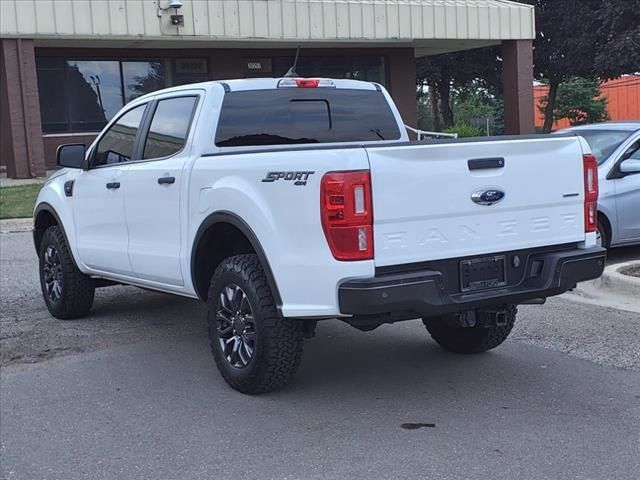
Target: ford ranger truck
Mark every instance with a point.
(284, 202)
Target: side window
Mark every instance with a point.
(116, 145)
(169, 127)
(634, 151)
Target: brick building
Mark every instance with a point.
(66, 67)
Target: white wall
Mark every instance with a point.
(271, 20)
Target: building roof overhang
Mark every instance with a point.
(430, 26)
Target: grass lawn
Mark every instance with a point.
(18, 201)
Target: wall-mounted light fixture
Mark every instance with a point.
(177, 4)
(176, 20)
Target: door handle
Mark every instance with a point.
(485, 163)
(166, 180)
(113, 185)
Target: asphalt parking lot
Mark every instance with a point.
(132, 392)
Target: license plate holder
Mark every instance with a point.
(483, 273)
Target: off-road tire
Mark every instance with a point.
(77, 288)
(279, 341)
(475, 339)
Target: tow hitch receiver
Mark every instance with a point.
(485, 318)
(501, 318)
(496, 317)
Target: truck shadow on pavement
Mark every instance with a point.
(403, 358)
(121, 315)
(358, 398)
(387, 399)
(623, 254)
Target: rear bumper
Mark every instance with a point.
(435, 291)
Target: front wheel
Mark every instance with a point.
(67, 292)
(477, 339)
(255, 349)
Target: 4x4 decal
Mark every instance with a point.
(299, 178)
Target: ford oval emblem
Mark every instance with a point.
(487, 195)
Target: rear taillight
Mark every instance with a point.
(590, 193)
(347, 216)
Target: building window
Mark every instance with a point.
(54, 107)
(95, 93)
(140, 78)
(82, 95)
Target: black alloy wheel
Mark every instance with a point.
(236, 326)
(52, 274)
(67, 292)
(256, 349)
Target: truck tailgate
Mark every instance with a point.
(422, 197)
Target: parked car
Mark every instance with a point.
(616, 146)
(283, 202)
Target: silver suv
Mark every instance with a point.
(616, 145)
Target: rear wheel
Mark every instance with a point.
(602, 239)
(255, 349)
(494, 329)
(67, 292)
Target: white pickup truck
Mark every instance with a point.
(281, 202)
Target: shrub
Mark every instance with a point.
(466, 131)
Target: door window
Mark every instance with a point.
(169, 127)
(633, 153)
(117, 144)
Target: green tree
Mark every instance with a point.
(563, 47)
(574, 38)
(618, 28)
(446, 73)
(583, 38)
(465, 131)
(579, 101)
(472, 101)
(425, 121)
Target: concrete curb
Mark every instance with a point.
(613, 280)
(612, 289)
(16, 225)
(12, 182)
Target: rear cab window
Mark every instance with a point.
(169, 128)
(287, 116)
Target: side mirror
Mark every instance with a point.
(630, 165)
(71, 155)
